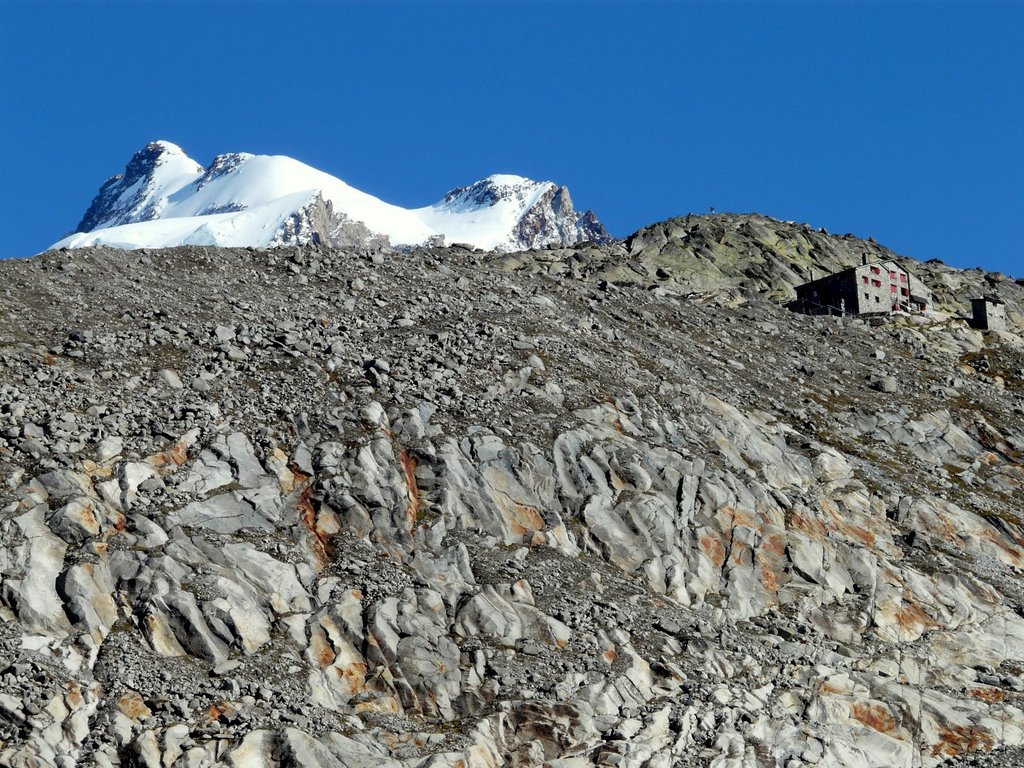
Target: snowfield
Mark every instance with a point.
(166, 199)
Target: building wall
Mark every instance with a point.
(867, 289)
(988, 315)
(883, 285)
(997, 317)
(917, 288)
(834, 292)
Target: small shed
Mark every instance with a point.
(988, 313)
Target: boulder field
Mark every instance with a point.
(450, 508)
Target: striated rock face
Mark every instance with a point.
(339, 508)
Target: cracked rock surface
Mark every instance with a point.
(446, 508)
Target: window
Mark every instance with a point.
(903, 278)
(892, 275)
(892, 288)
(904, 291)
(877, 300)
(867, 296)
(876, 270)
(865, 279)
(876, 283)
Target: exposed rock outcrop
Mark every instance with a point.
(337, 507)
(760, 254)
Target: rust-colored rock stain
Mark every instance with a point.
(962, 739)
(133, 707)
(409, 467)
(987, 694)
(307, 514)
(526, 519)
(876, 716)
(712, 546)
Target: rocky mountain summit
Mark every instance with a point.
(763, 255)
(549, 217)
(590, 506)
(165, 199)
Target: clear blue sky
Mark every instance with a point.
(903, 121)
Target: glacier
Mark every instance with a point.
(165, 199)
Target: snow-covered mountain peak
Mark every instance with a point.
(161, 161)
(493, 189)
(221, 165)
(139, 194)
(168, 147)
(509, 180)
(506, 212)
(164, 198)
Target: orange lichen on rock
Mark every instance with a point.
(173, 457)
(769, 558)
(307, 515)
(320, 649)
(712, 546)
(769, 576)
(962, 739)
(912, 615)
(730, 517)
(409, 467)
(986, 693)
(862, 535)
(87, 519)
(355, 676)
(773, 544)
(74, 696)
(811, 525)
(526, 519)
(119, 525)
(875, 716)
(221, 709)
(132, 706)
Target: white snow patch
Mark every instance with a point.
(247, 203)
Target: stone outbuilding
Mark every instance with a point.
(879, 287)
(988, 313)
